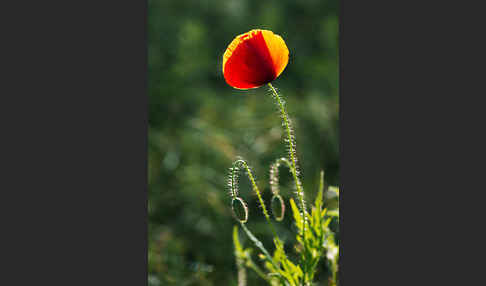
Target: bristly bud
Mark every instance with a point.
(240, 209)
(278, 207)
(240, 163)
(277, 203)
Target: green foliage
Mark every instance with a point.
(314, 236)
(320, 241)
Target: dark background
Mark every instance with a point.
(198, 125)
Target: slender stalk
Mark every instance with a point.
(258, 244)
(293, 170)
(292, 155)
(241, 271)
(258, 193)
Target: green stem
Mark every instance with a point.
(293, 159)
(257, 270)
(257, 191)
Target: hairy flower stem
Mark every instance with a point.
(293, 159)
(257, 191)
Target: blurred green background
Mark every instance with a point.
(198, 125)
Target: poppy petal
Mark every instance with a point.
(278, 51)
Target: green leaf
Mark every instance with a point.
(326, 224)
(297, 216)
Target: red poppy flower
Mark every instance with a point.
(254, 58)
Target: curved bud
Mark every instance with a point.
(240, 210)
(278, 207)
